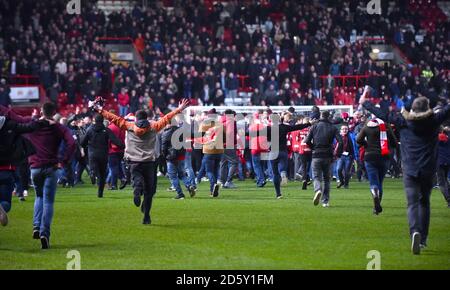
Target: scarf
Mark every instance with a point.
(383, 136)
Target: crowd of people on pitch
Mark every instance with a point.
(265, 146)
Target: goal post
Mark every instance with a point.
(276, 109)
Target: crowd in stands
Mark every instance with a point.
(199, 52)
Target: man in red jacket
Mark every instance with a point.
(258, 145)
(115, 157)
(124, 102)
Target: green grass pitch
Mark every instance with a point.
(245, 228)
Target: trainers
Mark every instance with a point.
(45, 243)
(179, 197)
(415, 243)
(192, 190)
(304, 185)
(3, 216)
(159, 174)
(326, 205)
(22, 199)
(36, 233)
(280, 196)
(216, 190)
(317, 197)
(171, 189)
(137, 200)
(339, 185)
(25, 193)
(230, 185)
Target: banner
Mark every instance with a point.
(24, 94)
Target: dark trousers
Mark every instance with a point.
(82, 164)
(212, 167)
(197, 157)
(22, 178)
(442, 177)
(68, 172)
(99, 167)
(162, 165)
(418, 191)
(344, 169)
(278, 165)
(6, 188)
(321, 168)
(305, 166)
(361, 170)
(144, 179)
(228, 165)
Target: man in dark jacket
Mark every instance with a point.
(321, 138)
(10, 157)
(278, 157)
(229, 162)
(419, 129)
(97, 139)
(176, 162)
(344, 163)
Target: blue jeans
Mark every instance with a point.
(202, 170)
(212, 166)
(279, 165)
(123, 110)
(376, 170)
(6, 188)
(228, 165)
(257, 167)
(115, 167)
(344, 167)
(176, 171)
(282, 162)
(189, 169)
(44, 180)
